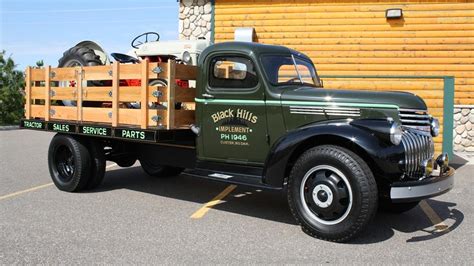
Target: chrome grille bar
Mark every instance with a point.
(418, 147)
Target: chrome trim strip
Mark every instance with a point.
(413, 110)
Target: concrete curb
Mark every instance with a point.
(9, 127)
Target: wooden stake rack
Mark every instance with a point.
(47, 87)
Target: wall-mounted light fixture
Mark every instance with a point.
(394, 13)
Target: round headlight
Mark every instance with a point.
(186, 57)
(396, 133)
(434, 127)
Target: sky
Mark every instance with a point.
(32, 30)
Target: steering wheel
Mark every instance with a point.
(153, 35)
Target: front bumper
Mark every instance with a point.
(426, 188)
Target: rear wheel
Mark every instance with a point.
(332, 193)
(97, 173)
(158, 170)
(69, 163)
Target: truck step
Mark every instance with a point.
(229, 177)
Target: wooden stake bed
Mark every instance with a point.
(104, 98)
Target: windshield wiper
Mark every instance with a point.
(296, 68)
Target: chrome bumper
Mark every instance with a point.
(426, 188)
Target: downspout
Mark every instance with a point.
(213, 8)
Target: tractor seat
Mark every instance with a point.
(123, 58)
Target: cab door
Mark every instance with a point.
(233, 118)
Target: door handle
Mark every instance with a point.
(208, 96)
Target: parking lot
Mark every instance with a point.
(134, 218)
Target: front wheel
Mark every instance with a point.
(69, 163)
(332, 193)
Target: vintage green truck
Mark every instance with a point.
(262, 119)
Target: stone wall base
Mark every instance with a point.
(463, 128)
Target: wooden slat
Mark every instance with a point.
(47, 88)
(97, 72)
(63, 74)
(162, 75)
(144, 95)
(97, 94)
(37, 92)
(130, 71)
(65, 93)
(37, 74)
(184, 118)
(28, 93)
(115, 93)
(170, 119)
(127, 116)
(184, 94)
(186, 72)
(79, 91)
(60, 112)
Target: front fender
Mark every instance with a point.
(365, 137)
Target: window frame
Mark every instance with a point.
(217, 89)
(293, 57)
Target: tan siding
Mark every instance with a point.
(354, 38)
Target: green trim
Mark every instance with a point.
(367, 105)
(213, 23)
(382, 77)
(448, 115)
(230, 101)
(260, 102)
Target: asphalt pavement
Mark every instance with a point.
(134, 218)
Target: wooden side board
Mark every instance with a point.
(83, 85)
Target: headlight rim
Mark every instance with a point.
(186, 54)
(434, 126)
(396, 133)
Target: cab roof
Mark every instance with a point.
(252, 49)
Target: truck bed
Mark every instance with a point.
(102, 97)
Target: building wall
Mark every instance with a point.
(195, 19)
(352, 37)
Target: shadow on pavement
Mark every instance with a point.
(457, 162)
(270, 205)
(414, 222)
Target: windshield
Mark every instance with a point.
(284, 70)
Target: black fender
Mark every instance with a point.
(369, 138)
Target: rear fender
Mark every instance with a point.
(367, 138)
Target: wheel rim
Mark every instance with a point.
(326, 194)
(64, 161)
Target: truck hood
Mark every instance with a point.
(311, 94)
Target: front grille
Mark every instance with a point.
(418, 147)
(414, 118)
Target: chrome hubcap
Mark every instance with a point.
(326, 194)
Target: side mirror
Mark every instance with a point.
(322, 83)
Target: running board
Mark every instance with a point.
(232, 178)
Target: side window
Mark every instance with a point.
(232, 73)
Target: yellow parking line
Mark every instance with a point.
(24, 191)
(37, 187)
(433, 216)
(216, 200)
